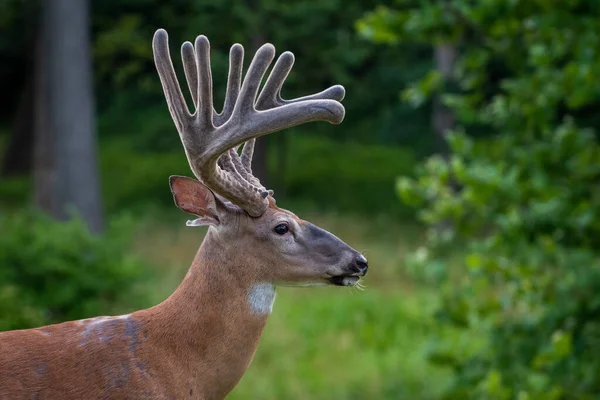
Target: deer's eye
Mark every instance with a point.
(281, 229)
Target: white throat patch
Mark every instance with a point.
(261, 298)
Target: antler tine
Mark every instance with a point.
(234, 82)
(168, 79)
(204, 113)
(188, 55)
(247, 153)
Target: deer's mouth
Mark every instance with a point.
(344, 280)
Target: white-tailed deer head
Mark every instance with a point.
(199, 342)
(279, 247)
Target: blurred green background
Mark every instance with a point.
(467, 170)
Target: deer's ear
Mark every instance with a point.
(193, 197)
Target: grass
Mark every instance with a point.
(329, 343)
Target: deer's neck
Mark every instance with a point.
(215, 318)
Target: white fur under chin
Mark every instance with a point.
(350, 280)
(261, 297)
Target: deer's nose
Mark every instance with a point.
(361, 265)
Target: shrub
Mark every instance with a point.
(54, 271)
(530, 226)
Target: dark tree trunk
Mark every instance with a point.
(70, 106)
(18, 157)
(44, 168)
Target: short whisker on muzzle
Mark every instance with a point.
(359, 287)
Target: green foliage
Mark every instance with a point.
(319, 173)
(347, 177)
(529, 220)
(56, 271)
(138, 178)
(525, 204)
(13, 191)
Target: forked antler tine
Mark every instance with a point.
(205, 97)
(188, 55)
(168, 79)
(270, 96)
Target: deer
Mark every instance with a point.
(199, 342)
